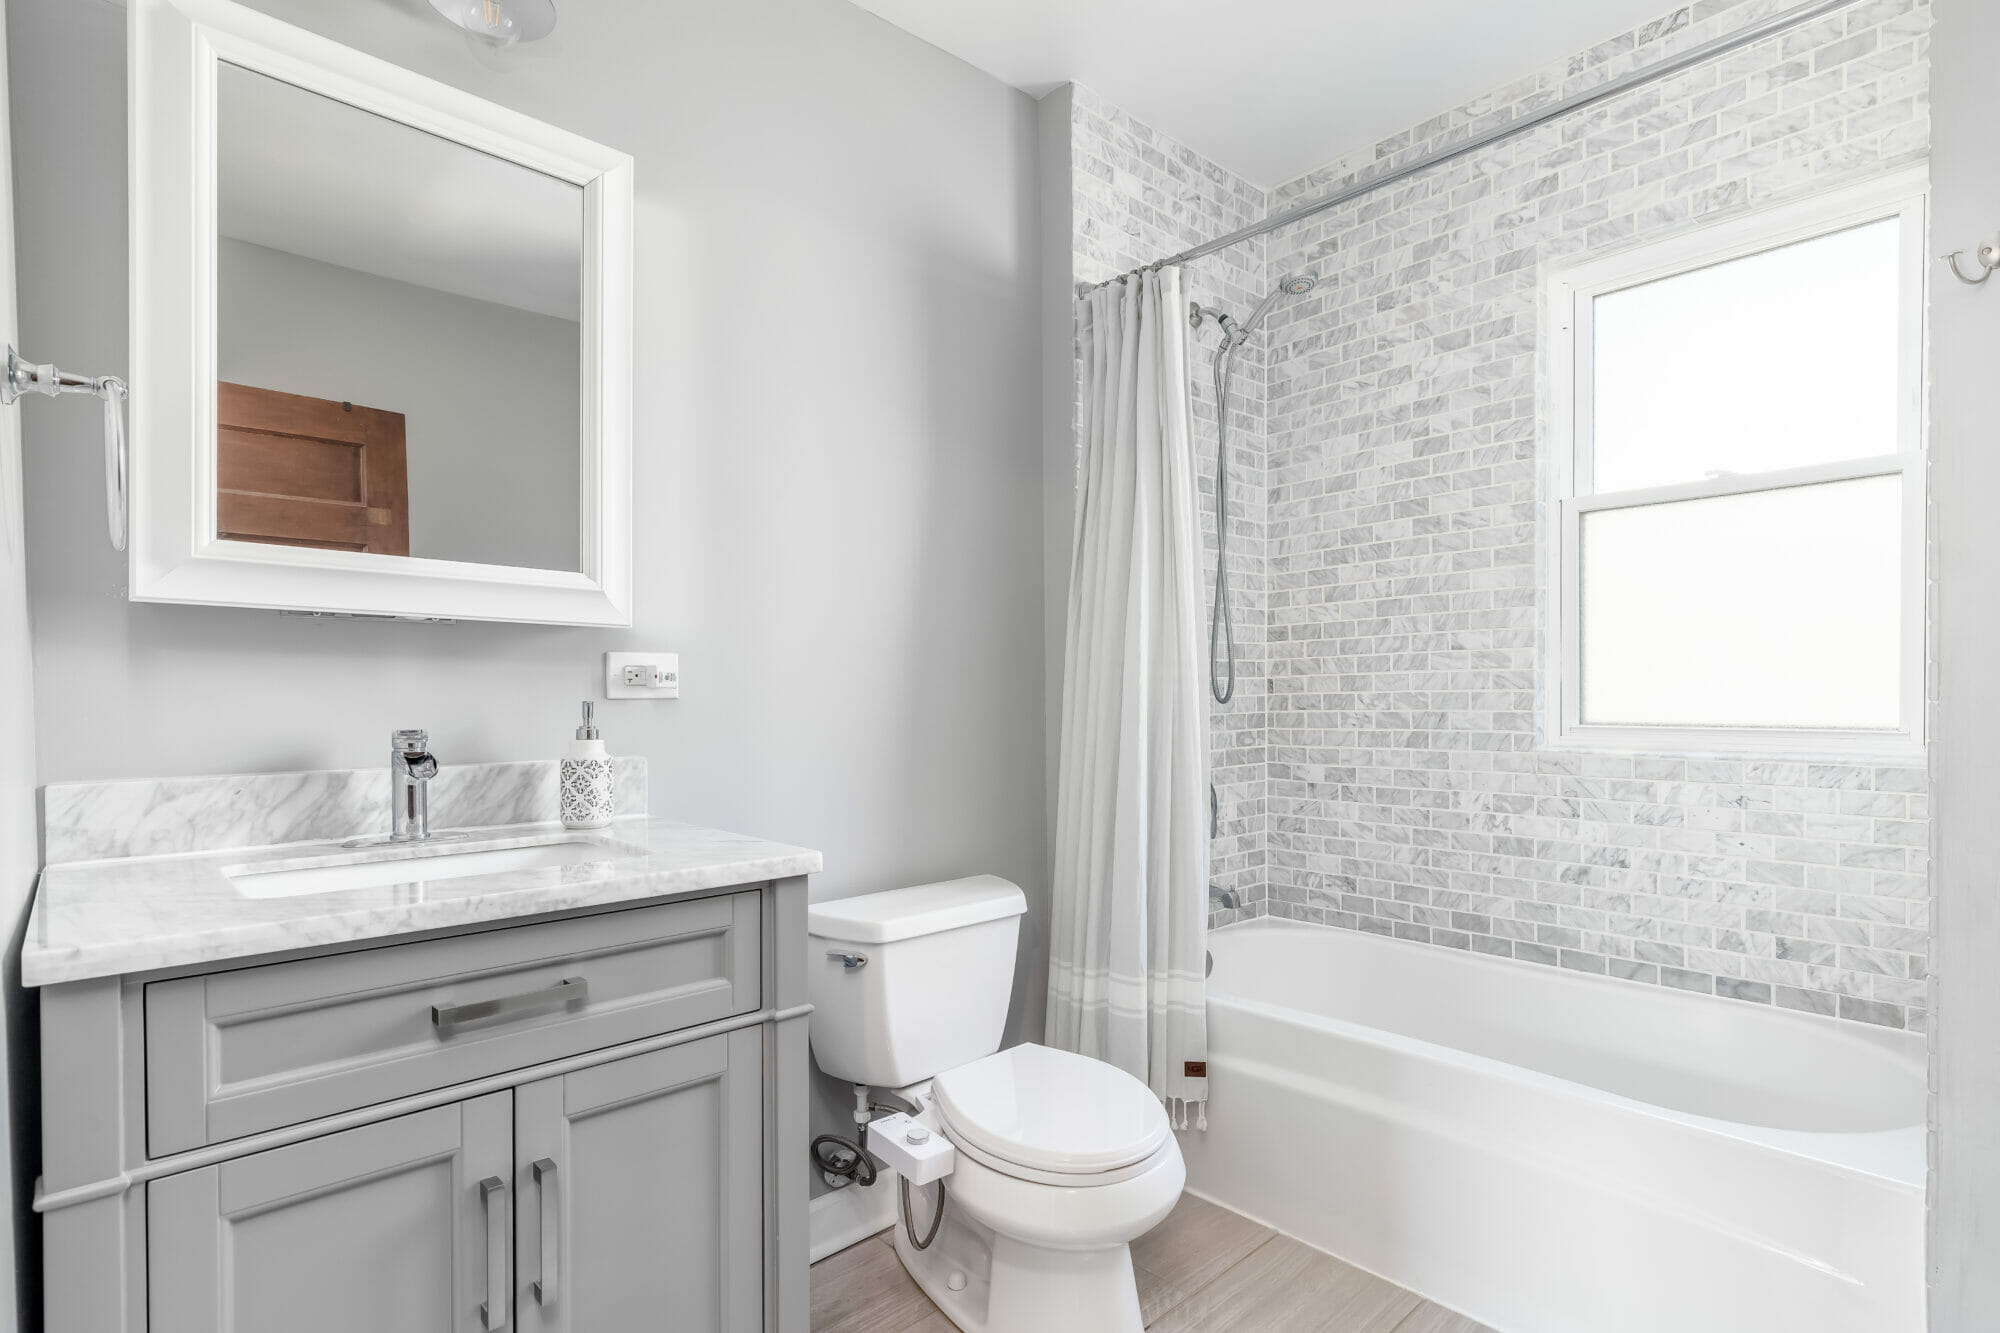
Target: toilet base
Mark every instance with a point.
(1064, 1262)
(956, 1271)
(1007, 1286)
(1063, 1290)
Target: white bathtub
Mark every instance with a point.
(1551, 1152)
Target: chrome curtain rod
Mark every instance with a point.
(1625, 83)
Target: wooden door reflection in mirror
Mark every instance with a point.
(299, 471)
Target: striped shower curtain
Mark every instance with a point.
(1128, 938)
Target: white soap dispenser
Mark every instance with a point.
(586, 778)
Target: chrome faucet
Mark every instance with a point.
(411, 768)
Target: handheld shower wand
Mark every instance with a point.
(1221, 629)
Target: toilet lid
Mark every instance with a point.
(1052, 1110)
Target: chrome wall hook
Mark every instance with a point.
(1989, 259)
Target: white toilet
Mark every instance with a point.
(1060, 1161)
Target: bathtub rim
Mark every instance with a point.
(1897, 1155)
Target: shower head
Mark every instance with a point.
(1292, 284)
(1234, 334)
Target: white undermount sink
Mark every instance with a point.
(420, 866)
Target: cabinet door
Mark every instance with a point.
(397, 1227)
(640, 1196)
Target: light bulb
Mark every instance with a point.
(492, 19)
(501, 22)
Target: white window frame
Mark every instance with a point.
(1567, 308)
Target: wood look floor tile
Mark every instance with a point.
(1156, 1294)
(1198, 1243)
(864, 1289)
(1429, 1318)
(1286, 1287)
(1203, 1270)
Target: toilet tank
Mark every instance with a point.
(911, 982)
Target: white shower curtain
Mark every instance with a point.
(1128, 939)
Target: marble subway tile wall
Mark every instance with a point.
(1138, 196)
(1408, 792)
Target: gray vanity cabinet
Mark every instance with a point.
(622, 1198)
(593, 1122)
(639, 1193)
(382, 1228)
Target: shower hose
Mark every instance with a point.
(1221, 631)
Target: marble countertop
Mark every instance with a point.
(136, 914)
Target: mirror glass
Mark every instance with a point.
(397, 337)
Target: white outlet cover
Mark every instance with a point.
(614, 675)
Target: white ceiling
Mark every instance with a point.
(1270, 89)
(315, 177)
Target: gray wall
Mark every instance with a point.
(17, 822)
(488, 393)
(1965, 405)
(838, 519)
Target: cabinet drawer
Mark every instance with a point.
(233, 1053)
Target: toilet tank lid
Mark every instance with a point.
(902, 914)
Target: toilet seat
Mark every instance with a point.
(1053, 1117)
(1066, 1180)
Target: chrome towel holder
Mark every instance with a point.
(25, 377)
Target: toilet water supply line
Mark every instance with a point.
(843, 1162)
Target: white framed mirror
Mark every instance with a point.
(381, 336)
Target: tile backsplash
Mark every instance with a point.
(93, 821)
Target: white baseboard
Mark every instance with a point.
(848, 1216)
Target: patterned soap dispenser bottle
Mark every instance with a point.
(586, 778)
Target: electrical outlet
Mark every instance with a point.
(642, 675)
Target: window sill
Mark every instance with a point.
(1871, 747)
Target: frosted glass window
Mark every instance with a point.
(1776, 360)
(1778, 608)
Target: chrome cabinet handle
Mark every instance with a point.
(549, 1187)
(493, 1198)
(850, 961)
(447, 1018)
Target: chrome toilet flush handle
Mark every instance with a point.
(850, 961)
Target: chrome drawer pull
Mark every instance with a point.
(570, 990)
(493, 1310)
